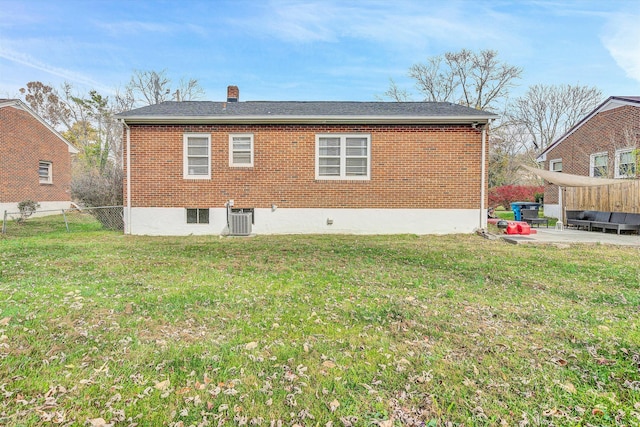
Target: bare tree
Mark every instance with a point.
(151, 87)
(434, 79)
(475, 79)
(47, 103)
(509, 148)
(154, 87)
(548, 111)
(395, 93)
(188, 90)
(124, 99)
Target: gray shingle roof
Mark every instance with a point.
(275, 111)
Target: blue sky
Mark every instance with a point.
(312, 50)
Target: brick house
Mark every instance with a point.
(305, 167)
(603, 144)
(35, 160)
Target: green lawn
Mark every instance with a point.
(316, 331)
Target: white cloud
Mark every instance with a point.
(405, 23)
(622, 40)
(301, 22)
(67, 75)
(127, 28)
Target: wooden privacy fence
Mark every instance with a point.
(622, 197)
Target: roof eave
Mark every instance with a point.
(308, 119)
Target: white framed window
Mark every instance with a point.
(555, 165)
(343, 156)
(197, 155)
(241, 150)
(197, 216)
(599, 164)
(625, 163)
(45, 172)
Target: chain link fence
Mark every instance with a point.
(15, 224)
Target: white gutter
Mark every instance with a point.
(440, 120)
(128, 222)
(483, 215)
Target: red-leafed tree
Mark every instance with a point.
(506, 194)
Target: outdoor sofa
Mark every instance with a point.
(604, 221)
(530, 216)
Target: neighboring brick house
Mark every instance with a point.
(305, 167)
(603, 144)
(35, 160)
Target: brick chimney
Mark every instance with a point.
(233, 94)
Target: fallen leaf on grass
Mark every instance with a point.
(251, 346)
(560, 361)
(597, 411)
(386, 423)
(183, 390)
(5, 321)
(553, 412)
(163, 385)
(328, 364)
(334, 405)
(98, 422)
(568, 387)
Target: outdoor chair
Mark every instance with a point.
(530, 216)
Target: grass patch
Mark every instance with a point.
(311, 330)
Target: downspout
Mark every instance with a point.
(128, 222)
(483, 169)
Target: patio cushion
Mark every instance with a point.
(602, 216)
(618, 217)
(633, 218)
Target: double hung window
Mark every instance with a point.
(599, 165)
(625, 163)
(346, 157)
(241, 150)
(197, 156)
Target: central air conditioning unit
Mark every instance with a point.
(240, 223)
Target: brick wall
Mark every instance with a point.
(427, 167)
(24, 142)
(606, 131)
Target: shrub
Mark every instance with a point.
(27, 208)
(506, 194)
(93, 188)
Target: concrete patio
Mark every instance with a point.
(571, 236)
